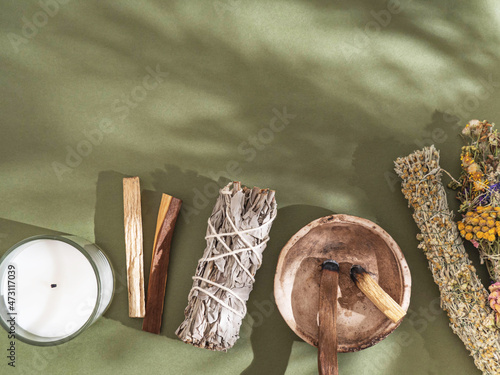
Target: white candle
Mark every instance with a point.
(58, 289)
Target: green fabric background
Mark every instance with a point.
(365, 81)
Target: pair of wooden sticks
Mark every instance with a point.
(327, 338)
(152, 308)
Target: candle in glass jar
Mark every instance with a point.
(59, 286)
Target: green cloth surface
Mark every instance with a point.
(314, 99)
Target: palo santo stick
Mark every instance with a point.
(327, 335)
(167, 217)
(376, 294)
(133, 246)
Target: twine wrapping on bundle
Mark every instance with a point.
(237, 234)
(463, 296)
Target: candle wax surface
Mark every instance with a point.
(47, 310)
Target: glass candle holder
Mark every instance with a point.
(52, 288)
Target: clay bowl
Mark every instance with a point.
(348, 240)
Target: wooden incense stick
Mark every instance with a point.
(133, 246)
(327, 343)
(167, 217)
(376, 294)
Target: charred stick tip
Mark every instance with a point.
(355, 271)
(330, 265)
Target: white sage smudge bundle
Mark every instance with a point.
(237, 234)
(463, 296)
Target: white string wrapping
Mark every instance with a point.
(232, 253)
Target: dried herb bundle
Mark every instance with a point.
(463, 296)
(237, 234)
(479, 192)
